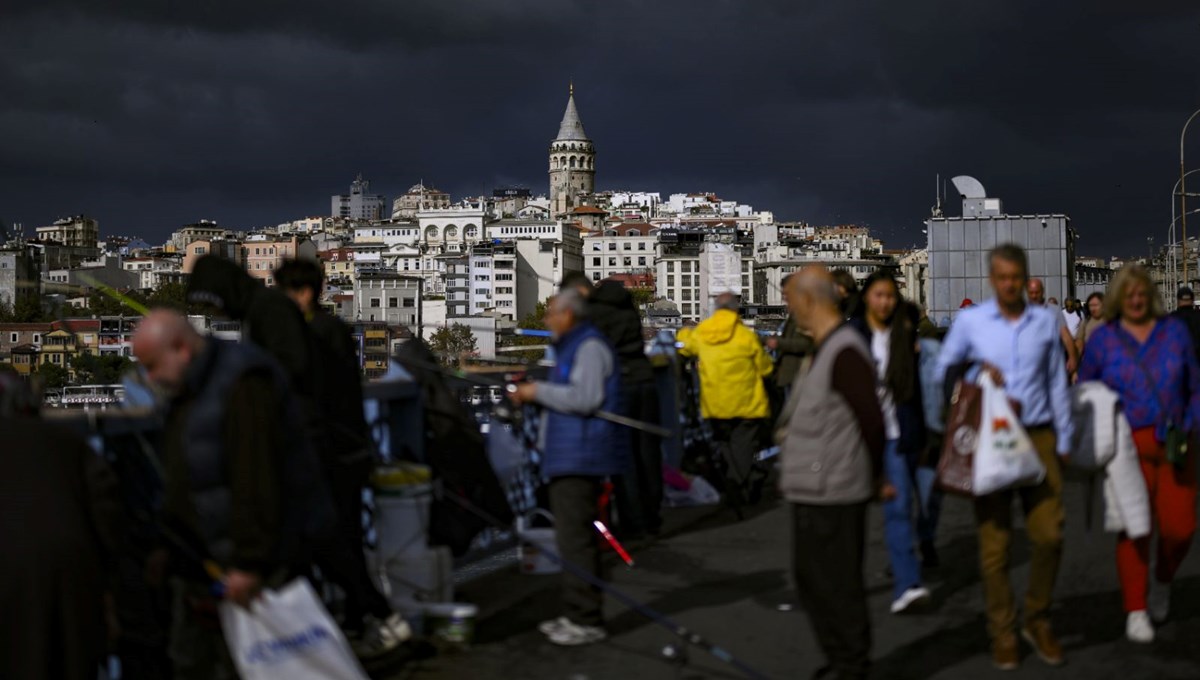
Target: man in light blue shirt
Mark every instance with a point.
(1018, 343)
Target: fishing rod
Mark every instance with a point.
(482, 381)
(687, 635)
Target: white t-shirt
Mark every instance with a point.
(1072, 320)
(881, 350)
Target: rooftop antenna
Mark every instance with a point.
(937, 195)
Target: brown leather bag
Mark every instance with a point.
(956, 466)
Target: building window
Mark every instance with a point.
(612, 261)
(595, 276)
(627, 261)
(595, 262)
(627, 246)
(641, 245)
(374, 303)
(393, 302)
(670, 280)
(641, 261)
(13, 338)
(612, 245)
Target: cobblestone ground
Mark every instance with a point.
(727, 580)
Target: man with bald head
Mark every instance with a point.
(831, 435)
(1035, 290)
(230, 430)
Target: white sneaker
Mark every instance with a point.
(548, 627)
(1158, 600)
(571, 634)
(913, 597)
(1138, 627)
(394, 630)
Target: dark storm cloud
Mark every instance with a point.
(150, 114)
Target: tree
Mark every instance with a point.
(106, 369)
(533, 321)
(172, 295)
(642, 296)
(53, 376)
(451, 342)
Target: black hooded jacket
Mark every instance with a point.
(612, 311)
(269, 319)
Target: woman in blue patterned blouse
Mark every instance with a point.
(1147, 358)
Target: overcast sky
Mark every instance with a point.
(252, 113)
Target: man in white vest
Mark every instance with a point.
(832, 433)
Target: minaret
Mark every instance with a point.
(572, 161)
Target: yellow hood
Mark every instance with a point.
(718, 328)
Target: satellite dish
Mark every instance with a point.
(969, 187)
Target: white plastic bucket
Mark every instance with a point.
(401, 523)
(533, 544)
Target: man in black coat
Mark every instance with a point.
(345, 452)
(612, 311)
(1185, 311)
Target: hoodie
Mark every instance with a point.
(612, 311)
(732, 366)
(269, 319)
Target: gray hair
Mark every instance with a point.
(727, 301)
(571, 300)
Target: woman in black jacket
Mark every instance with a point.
(885, 321)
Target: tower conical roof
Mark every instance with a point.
(571, 127)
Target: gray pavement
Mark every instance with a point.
(726, 580)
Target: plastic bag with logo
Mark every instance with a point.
(1004, 456)
(288, 634)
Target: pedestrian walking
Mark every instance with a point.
(242, 498)
(1185, 311)
(791, 348)
(1071, 318)
(1036, 290)
(733, 397)
(891, 334)
(579, 451)
(639, 492)
(832, 437)
(60, 524)
(1018, 343)
(1094, 320)
(345, 452)
(1144, 356)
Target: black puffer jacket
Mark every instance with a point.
(612, 311)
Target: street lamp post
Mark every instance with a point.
(1173, 257)
(1183, 194)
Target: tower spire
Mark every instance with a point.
(571, 127)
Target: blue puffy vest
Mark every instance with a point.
(585, 445)
(307, 511)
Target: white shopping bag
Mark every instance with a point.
(1004, 455)
(288, 634)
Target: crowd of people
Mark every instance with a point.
(265, 454)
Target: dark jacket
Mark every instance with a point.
(1191, 319)
(577, 443)
(269, 319)
(612, 311)
(910, 413)
(792, 348)
(59, 525)
(242, 485)
(341, 395)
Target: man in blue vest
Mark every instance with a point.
(579, 450)
(240, 483)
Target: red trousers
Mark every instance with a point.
(1173, 507)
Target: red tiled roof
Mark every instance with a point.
(77, 325)
(588, 210)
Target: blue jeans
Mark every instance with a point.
(929, 504)
(898, 531)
